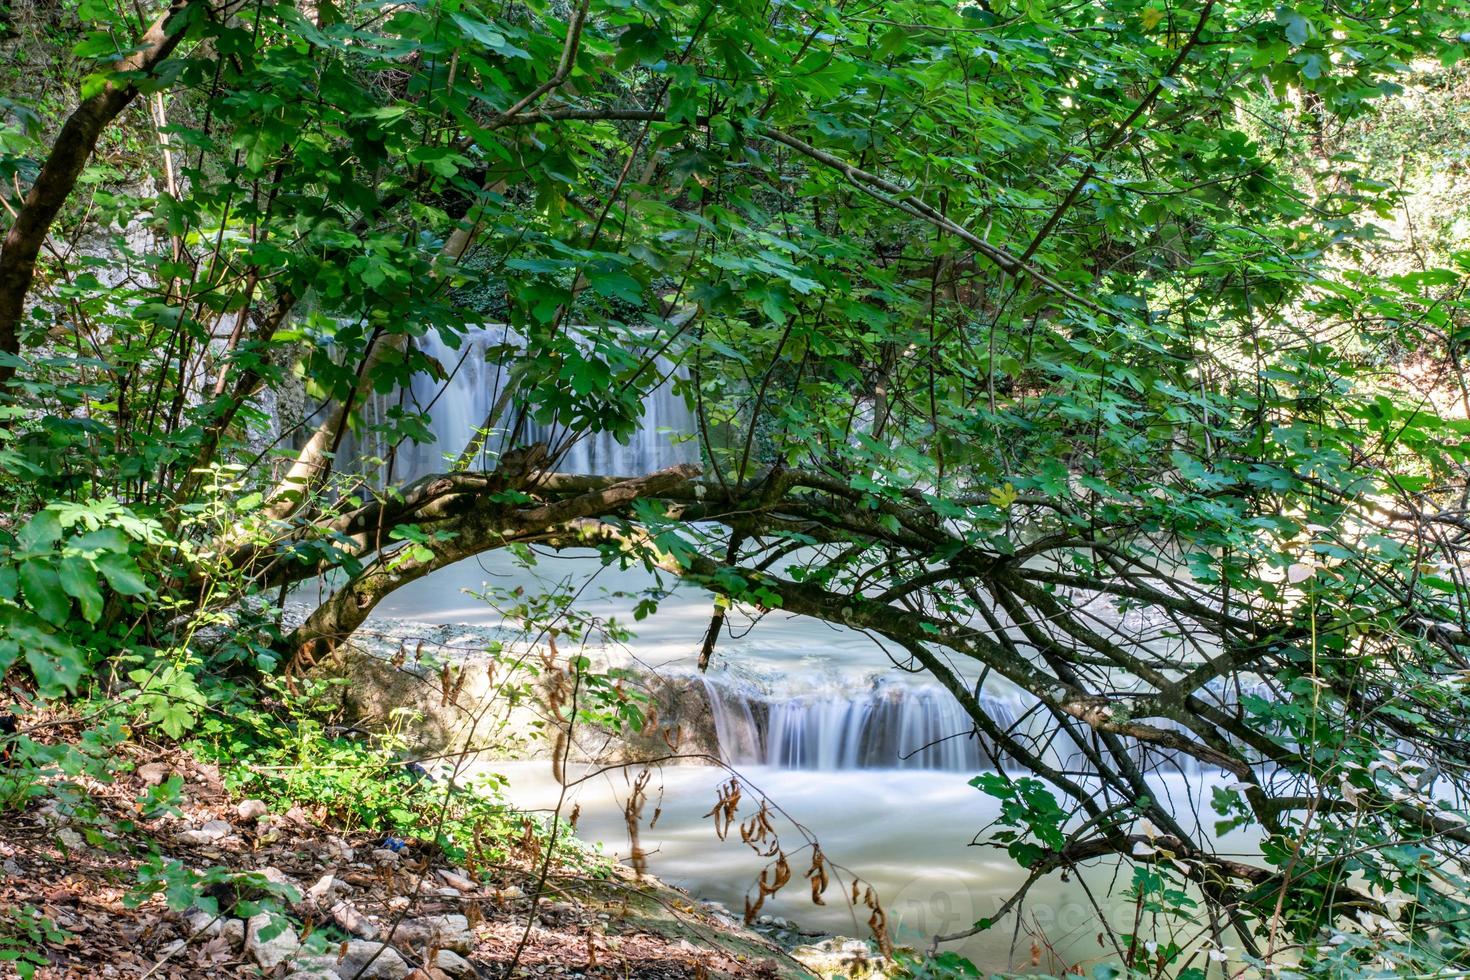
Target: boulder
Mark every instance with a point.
(450, 932)
(270, 953)
(371, 961)
(450, 962)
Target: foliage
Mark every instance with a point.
(992, 316)
(23, 933)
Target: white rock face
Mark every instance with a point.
(269, 953)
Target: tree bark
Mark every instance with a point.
(59, 175)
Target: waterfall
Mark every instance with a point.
(884, 726)
(457, 408)
(887, 725)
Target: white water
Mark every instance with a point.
(459, 407)
(872, 761)
(908, 832)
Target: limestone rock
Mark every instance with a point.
(249, 810)
(153, 773)
(346, 915)
(453, 964)
(450, 932)
(388, 964)
(269, 953)
(217, 829)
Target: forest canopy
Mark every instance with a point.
(992, 316)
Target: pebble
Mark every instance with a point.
(455, 880)
(217, 829)
(251, 810)
(381, 855)
(71, 840)
(153, 773)
(346, 915)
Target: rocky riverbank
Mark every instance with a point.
(346, 905)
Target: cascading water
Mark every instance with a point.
(457, 409)
(882, 726)
(790, 724)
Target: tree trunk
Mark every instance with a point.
(59, 175)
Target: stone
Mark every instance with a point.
(453, 964)
(204, 925)
(314, 968)
(169, 949)
(346, 915)
(388, 964)
(381, 855)
(249, 810)
(298, 816)
(327, 887)
(456, 880)
(217, 829)
(153, 773)
(233, 932)
(71, 840)
(269, 953)
(450, 932)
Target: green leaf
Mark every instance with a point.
(122, 574)
(79, 579)
(40, 532)
(42, 588)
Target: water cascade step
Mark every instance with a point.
(793, 723)
(458, 407)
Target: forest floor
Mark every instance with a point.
(353, 907)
